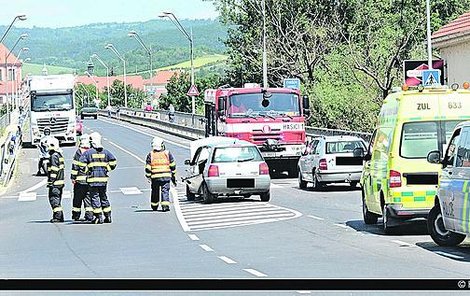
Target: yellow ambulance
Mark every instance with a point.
(397, 181)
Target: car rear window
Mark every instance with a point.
(236, 154)
(343, 146)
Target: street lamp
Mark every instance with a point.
(20, 17)
(113, 49)
(17, 95)
(14, 84)
(86, 90)
(22, 36)
(175, 21)
(149, 52)
(107, 74)
(96, 84)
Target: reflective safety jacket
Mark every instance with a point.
(160, 165)
(55, 169)
(78, 167)
(97, 163)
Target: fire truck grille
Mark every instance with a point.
(261, 138)
(59, 126)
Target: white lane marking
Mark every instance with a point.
(227, 260)
(179, 215)
(199, 222)
(144, 133)
(27, 196)
(66, 194)
(448, 255)
(206, 248)
(247, 214)
(341, 225)
(228, 211)
(130, 190)
(276, 186)
(32, 188)
(304, 292)
(255, 272)
(106, 139)
(315, 217)
(402, 244)
(193, 237)
(127, 151)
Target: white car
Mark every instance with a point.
(331, 159)
(221, 166)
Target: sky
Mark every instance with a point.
(69, 13)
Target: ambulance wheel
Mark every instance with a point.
(189, 195)
(302, 183)
(439, 234)
(386, 221)
(207, 197)
(369, 218)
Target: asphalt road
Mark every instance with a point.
(298, 234)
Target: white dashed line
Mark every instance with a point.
(304, 292)
(40, 184)
(193, 237)
(127, 151)
(255, 272)
(448, 255)
(402, 244)
(341, 225)
(130, 191)
(27, 196)
(315, 217)
(227, 260)
(206, 248)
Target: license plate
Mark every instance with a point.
(269, 154)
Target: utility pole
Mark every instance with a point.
(428, 21)
(265, 61)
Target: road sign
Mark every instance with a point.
(193, 91)
(293, 83)
(431, 77)
(413, 71)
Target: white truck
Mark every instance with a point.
(52, 106)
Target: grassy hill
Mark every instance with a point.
(36, 69)
(198, 62)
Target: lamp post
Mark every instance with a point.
(428, 21)
(20, 17)
(16, 86)
(22, 36)
(107, 74)
(113, 49)
(149, 52)
(96, 84)
(265, 58)
(86, 90)
(175, 21)
(14, 76)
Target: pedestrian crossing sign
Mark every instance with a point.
(431, 77)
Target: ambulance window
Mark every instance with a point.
(418, 138)
(463, 153)
(449, 127)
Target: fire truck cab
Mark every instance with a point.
(272, 118)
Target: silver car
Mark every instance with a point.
(221, 166)
(331, 159)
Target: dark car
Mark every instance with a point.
(89, 111)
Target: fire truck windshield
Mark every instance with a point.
(279, 104)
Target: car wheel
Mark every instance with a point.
(439, 234)
(96, 116)
(207, 197)
(302, 183)
(316, 184)
(369, 218)
(265, 196)
(353, 184)
(189, 195)
(82, 117)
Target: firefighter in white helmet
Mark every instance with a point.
(55, 179)
(81, 192)
(160, 169)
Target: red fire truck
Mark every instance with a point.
(272, 118)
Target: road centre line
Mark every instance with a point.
(145, 133)
(448, 255)
(315, 217)
(34, 187)
(401, 243)
(127, 151)
(193, 237)
(227, 260)
(206, 248)
(341, 225)
(255, 272)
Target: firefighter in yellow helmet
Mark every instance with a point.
(160, 168)
(55, 179)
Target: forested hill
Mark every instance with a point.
(72, 46)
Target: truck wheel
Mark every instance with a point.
(82, 117)
(265, 196)
(207, 197)
(302, 183)
(292, 172)
(369, 218)
(96, 116)
(189, 195)
(439, 234)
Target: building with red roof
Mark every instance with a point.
(453, 43)
(10, 74)
(157, 85)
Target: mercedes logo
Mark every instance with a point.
(52, 120)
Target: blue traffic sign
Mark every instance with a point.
(431, 77)
(293, 83)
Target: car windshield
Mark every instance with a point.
(343, 146)
(59, 102)
(253, 105)
(236, 154)
(419, 138)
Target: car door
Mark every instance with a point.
(196, 169)
(461, 183)
(366, 171)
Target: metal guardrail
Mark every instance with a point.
(9, 149)
(4, 121)
(196, 124)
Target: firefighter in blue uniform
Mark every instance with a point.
(160, 168)
(55, 179)
(80, 186)
(98, 162)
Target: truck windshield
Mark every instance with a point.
(52, 102)
(252, 105)
(419, 138)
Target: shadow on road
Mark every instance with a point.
(146, 211)
(415, 228)
(458, 253)
(331, 188)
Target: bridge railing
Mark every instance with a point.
(193, 126)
